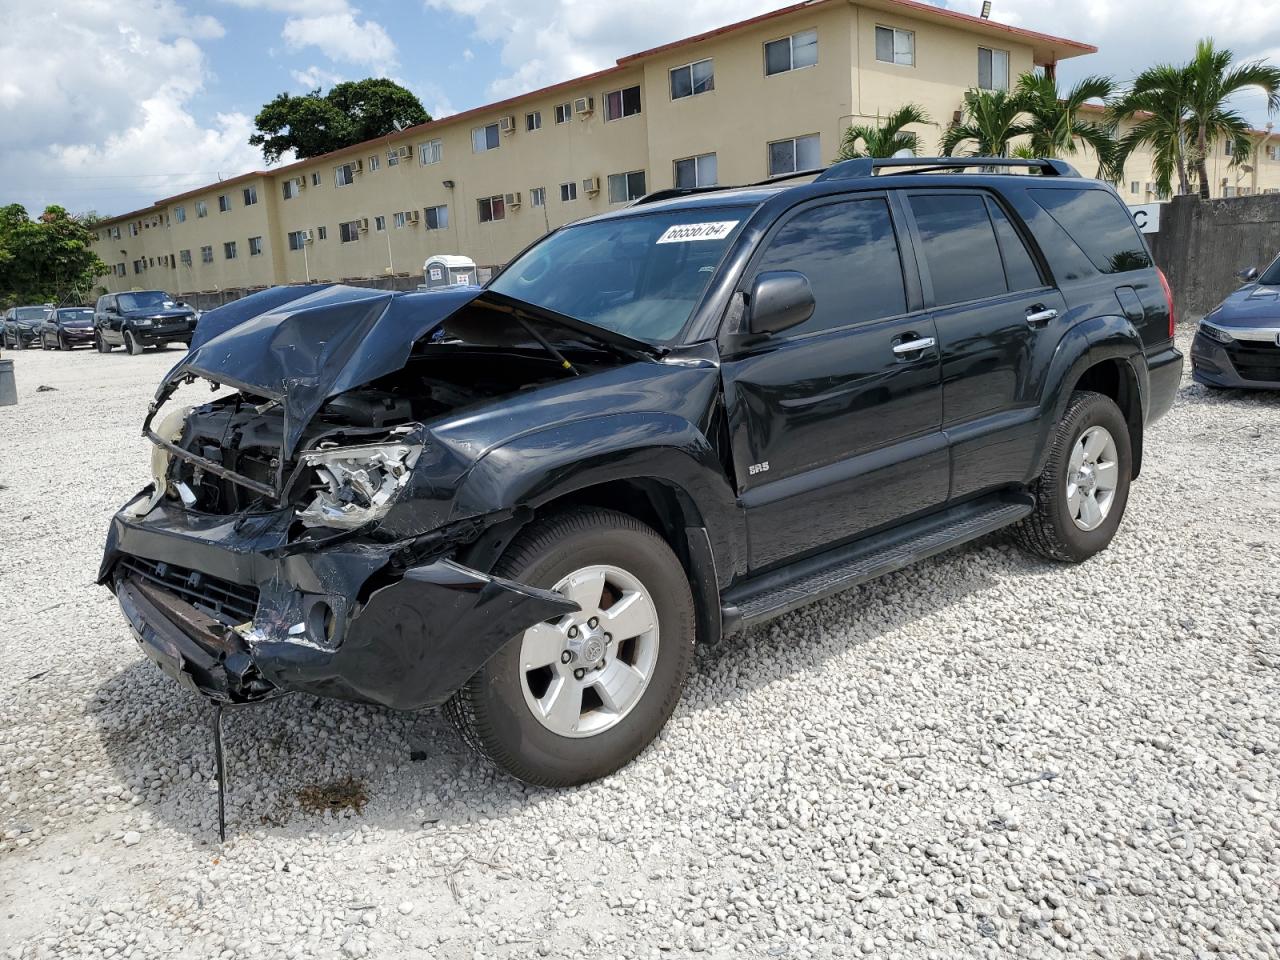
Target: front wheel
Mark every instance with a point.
(574, 699)
(132, 345)
(100, 342)
(1082, 493)
(63, 344)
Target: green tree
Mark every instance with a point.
(991, 118)
(48, 259)
(352, 112)
(886, 139)
(1055, 124)
(1156, 106)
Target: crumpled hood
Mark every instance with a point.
(303, 345)
(1252, 305)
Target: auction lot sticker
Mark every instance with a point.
(688, 232)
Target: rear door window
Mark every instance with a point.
(849, 252)
(959, 247)
(1098, 224)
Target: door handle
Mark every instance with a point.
(1038, 315)
(913, 346)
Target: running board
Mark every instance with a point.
(778, 592)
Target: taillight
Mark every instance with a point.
(1168, 296)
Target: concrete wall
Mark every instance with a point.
(1202, 244)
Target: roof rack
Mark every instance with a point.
(867, 166)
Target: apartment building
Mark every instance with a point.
(1257, 173)
(760, 97)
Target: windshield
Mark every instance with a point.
(145, 299)
(640, 276)
(1271, 275)
(75, 315)
(30, 313)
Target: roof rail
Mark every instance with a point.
(670, 192)
(867, 166)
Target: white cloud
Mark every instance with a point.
(103, 117)
(314, 77)
(341, 36)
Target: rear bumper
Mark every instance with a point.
(1164, 374)
(335, 623)
(1211, 364)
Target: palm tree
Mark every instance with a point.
(1212, 82)
(991, 120)
(1055, 125)
(887, 139)
(1157, 106)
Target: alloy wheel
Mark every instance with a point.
(1092, 477)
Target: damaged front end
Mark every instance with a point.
(300, 532)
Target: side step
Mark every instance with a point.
(780, 591)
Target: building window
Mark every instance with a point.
(993, 69)
(793, 52)
(344, 175)
(322, 233)
(569, 191)
(800, 153)
(224, 203)
(185, 257)
(1133, 186)
(430, 152)
(180, 214)
(690, 80)
(1273, 152)
(537, 196)
(626, 186)
(250, 196)
(206, 254)
(1230, 147)
(696, 171)
(485, 138)
(349, 231)
(398, 220)
(120, 270)
(533, 121)
(564, 112)
(393, 157)
(492, 208)
(315, 178)
(896, 46)
(229, 250)
(437, 217)
(255, 246)
(296, 239)
(622, 103)
(379, 224)
(133, 229)
(289, 188)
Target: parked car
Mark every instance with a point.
(1237, 344)
(66, 327)
(662, 424)
(21, 323)
(141, 319)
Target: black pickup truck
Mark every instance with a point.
(527, 502)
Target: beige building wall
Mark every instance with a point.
(737, 120)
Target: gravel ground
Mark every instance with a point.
(982, 755)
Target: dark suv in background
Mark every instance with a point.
(141, 319)
(20, 325)
(657, 425)
(66, 327)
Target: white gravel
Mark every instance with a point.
(983, 755)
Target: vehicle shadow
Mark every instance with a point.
(300, 764)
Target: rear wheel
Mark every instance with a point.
(573, 700)
(132, 345)
(1082, 493)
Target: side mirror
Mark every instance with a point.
(1248, 274)
(179, 303)
(780, 300)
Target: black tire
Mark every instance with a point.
(132, 345)
(490, 711)
(19, 343)
(1051, 531)
(44, 342)
(62, 343)
(100, 342)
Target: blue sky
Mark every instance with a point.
(136, 101)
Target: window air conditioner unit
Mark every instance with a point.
(300, 183)
(591, 185)
(507, 124)
(412, 216)
(584, 106)
(404, 153)
(306, 236)
(512, 200)
(357, 166)
(364, 224)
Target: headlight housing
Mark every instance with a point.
(359, 483)
(1215, 333)
(142, 323)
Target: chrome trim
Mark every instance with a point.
(1270, 334)
(914, 346)
(1042, 316)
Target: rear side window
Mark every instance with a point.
(1019, 269)
(959, 245)
(1099, 225)
(849, 252)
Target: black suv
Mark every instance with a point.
(655, 426)
(19, 326)
(141, 319)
